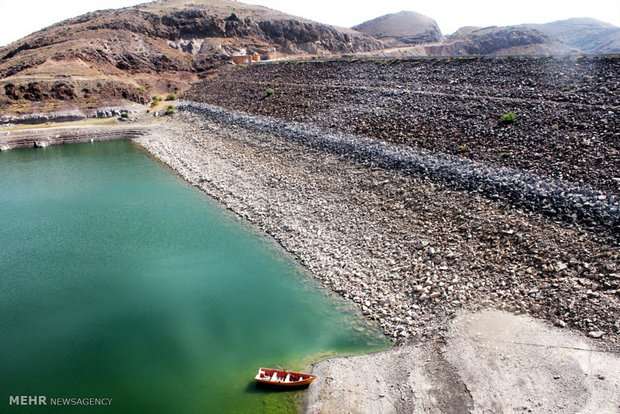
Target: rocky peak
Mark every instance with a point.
(405, 28)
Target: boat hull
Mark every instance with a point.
(282, 379)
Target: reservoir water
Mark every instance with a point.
(118, 280)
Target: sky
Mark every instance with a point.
(19, 18)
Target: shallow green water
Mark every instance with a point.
(118, 280)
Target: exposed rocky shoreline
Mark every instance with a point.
(35, 118)
(41, 138)
(407, 249)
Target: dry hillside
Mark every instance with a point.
(110, 56)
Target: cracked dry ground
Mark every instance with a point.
(407, 251)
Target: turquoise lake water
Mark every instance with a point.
(118, 280)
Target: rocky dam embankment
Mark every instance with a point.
(567, 110)
(563, 200)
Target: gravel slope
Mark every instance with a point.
(407, 250)
(567, 201)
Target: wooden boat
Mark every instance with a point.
(280, 378)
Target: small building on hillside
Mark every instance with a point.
(241, 59)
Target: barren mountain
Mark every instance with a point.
(506, 40)
(587, 35)
(404, 28)
(411, 34)
(109, 56)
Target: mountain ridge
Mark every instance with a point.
(586, 34)
(158, 47)
(413, 34)
(402, 28)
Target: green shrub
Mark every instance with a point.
(269, 92)
(171, 97)
(508, 118)
(463, 149)
(124, 115)
(170, 110)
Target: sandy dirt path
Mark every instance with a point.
(491, 362)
